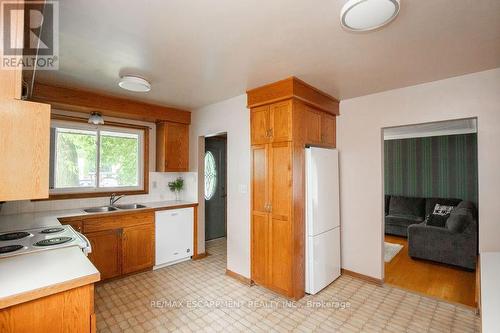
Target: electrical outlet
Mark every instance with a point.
(155, 184)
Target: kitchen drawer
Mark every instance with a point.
(118, 221)
(75, 224)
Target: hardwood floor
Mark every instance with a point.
(433, 279)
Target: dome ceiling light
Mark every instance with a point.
(367, 15)
(134, 83)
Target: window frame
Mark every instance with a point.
(89, 192)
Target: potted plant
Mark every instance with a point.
(176, 187)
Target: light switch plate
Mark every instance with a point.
(243, 189)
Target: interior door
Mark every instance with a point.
(260, 214)
(280, 256)
(106, 249)
(215, 187)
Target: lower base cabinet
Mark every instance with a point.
(106, 249)
(68, 311)
(121, 243)
(138, 246)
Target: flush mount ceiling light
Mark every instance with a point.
(366, 15)
(96, 118)
(134, 83)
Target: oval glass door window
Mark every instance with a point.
(210, 175)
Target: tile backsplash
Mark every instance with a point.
(158, 191)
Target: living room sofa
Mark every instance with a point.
(401, 212)
(455, 244)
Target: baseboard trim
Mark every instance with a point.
(200, 256)
(239, 277)
(360, 276)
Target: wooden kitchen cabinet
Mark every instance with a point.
(24, 135)
(271, 123)
(311, 120)
(122, 243)
(271, 216)
(260, 122)
(260, 214)
(68, 311)
(328, 130)
(106, 252)
(286, 116)
(138, 248)
(172, 147)
(280, 229)
(281, 121)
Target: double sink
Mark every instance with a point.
(104, 209)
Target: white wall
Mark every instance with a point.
(359, 140)
(230, 116)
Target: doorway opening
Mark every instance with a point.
(430, 223)
(215, 184)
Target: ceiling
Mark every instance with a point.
(199, 52)
(449, 127)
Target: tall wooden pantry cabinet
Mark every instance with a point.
(285, 117)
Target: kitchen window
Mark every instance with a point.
(88, 160)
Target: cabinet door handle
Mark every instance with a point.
(270, 132)
(270, 208)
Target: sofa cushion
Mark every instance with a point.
(430, 203)
(468, 205)
(406, 206)
(402, 220)
(458, 222)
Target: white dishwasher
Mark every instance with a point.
(174, 236)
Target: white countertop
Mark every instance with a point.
(36, 273)
(490, 291)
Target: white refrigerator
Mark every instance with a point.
(322, 218)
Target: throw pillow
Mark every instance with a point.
(439, 216)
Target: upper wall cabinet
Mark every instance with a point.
(24, 136)
(271, 123)
(260, 124)
(172, 147)
(328, 130)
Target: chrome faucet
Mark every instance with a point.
(114, 198)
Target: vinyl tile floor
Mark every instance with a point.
(197, 296)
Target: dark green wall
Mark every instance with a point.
(439, 166)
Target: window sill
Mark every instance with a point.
(63, 196)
